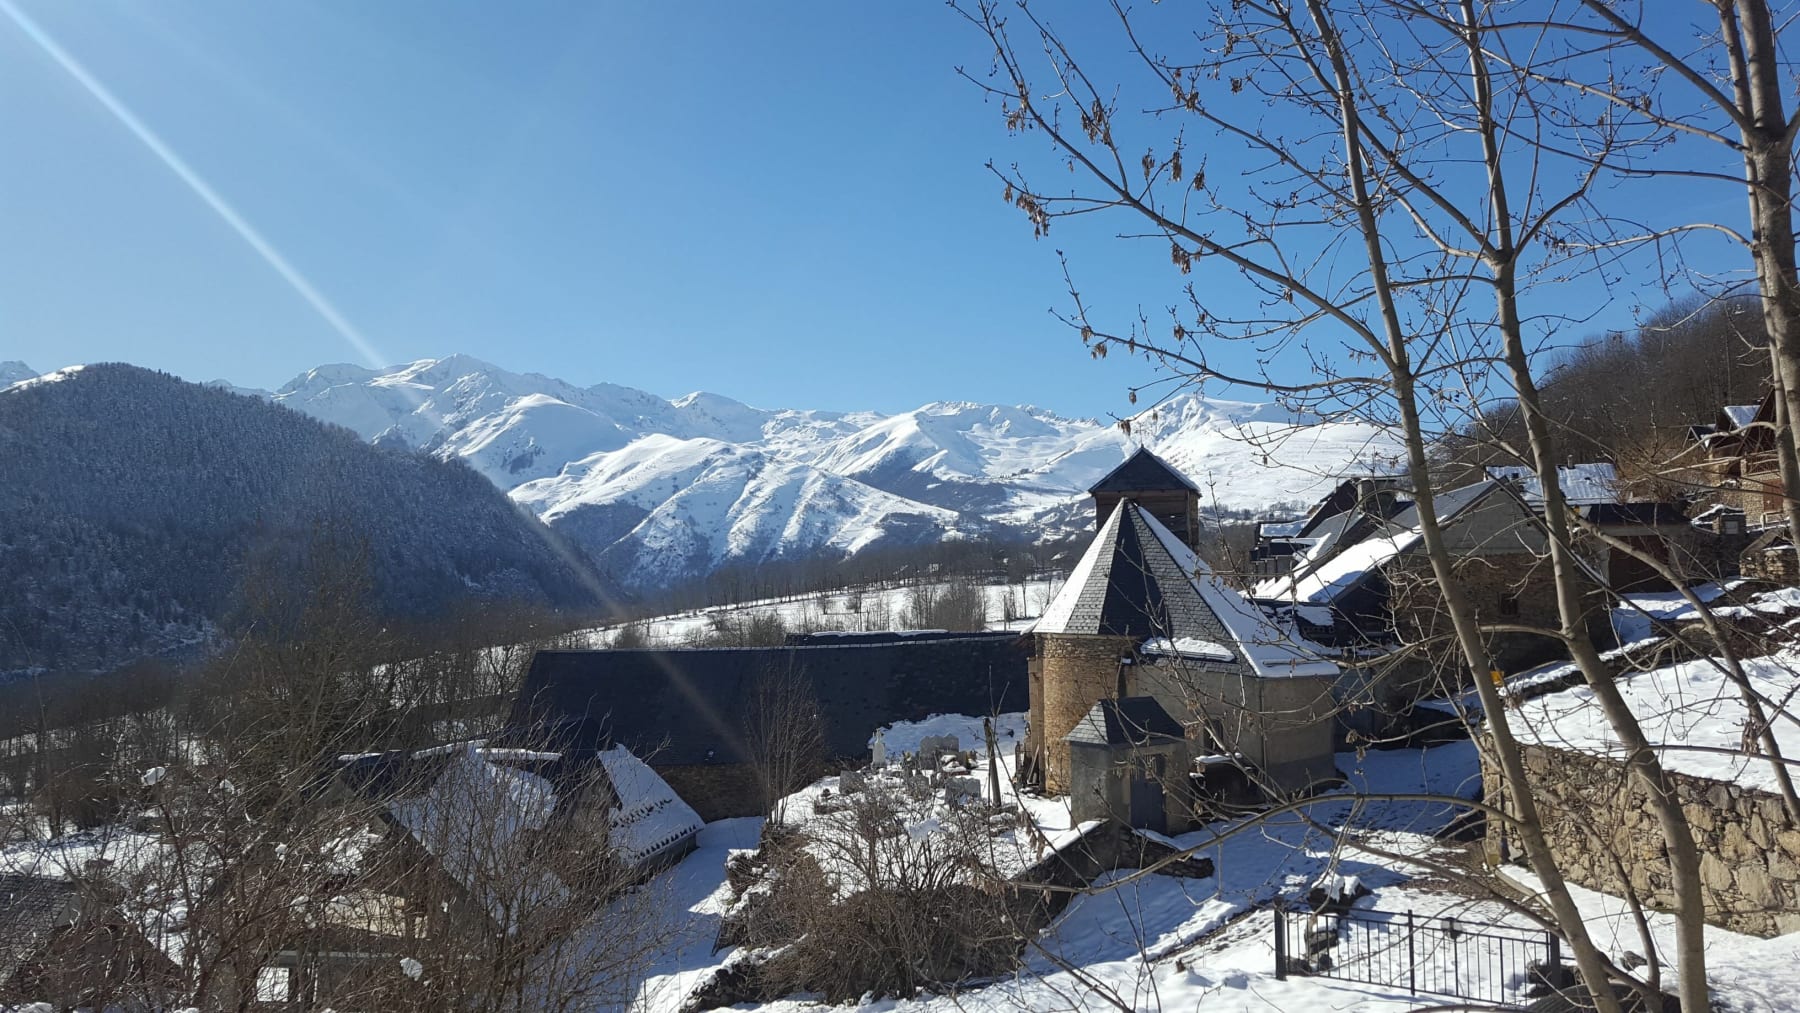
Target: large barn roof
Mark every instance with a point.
(1138, 580)
(1143, 472)
(682, 707)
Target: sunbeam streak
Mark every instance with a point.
(195, 182)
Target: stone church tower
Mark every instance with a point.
(1142, 617)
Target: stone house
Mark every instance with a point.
(60, 943)
(1737, 460)
(688, 712)
(1378, 594)
(1142, 616)
(1771, 558)
(1354, 509)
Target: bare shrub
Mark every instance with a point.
(858, 905)
(785, 734)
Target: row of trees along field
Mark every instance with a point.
(1393, 209)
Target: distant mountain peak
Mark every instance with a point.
(660, 490)
(12, 371)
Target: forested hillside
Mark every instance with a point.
(1629, 397)
(132, 505)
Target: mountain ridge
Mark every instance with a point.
(138, 507)
(659, 490)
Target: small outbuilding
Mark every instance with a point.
(1128, 761)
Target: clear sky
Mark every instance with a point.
(781, 202)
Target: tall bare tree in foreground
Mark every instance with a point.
(1378, 148)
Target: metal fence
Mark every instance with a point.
(1437, 955)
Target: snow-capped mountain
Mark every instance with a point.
(662, 489)
(13, 371)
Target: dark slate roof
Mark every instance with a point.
(1646, 514)
(1143, 472)
(32, 909)
(1132, 721)
(405, 773)
(691, 706)
(1128, 584)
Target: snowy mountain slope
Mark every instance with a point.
(12, 371)
(663, 489)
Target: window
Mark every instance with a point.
(1509, 606)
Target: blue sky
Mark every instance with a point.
(784, 203)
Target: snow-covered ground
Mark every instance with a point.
(854, 610)
(1753, 975)
(1151, 941)
(1690, 711)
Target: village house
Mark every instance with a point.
(1143, 640)
(1354, 509)
(60, 941)
(1737, 461)
(467, 840)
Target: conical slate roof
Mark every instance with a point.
(1134, 721)
(1138, 580)
(1143, 472)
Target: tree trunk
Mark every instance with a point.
(1462, 615)
(1769, 178)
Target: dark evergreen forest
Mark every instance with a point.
(133, 506)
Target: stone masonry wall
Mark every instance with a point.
(1078, 670)
(1598, 824)
(717, 790)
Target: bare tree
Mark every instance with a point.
(784, 733)
(1352, 223)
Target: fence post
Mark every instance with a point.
(1555, 949)
(1280, 943)
(1412, 959)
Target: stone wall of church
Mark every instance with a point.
(1078, 671)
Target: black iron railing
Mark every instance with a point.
(1436, 955)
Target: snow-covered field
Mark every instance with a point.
(854, 610)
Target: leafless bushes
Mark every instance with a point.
(851, 902)
(959, 603)
(785, 735)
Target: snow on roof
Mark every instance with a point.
(1269, 652)
(1322, 584)
(650, 818)
(1061, 610)
(1187, 647)
(1164, 575)
(1740, 415)
(1280, 529)
(1325, 537)
(1582, 484)
(469, 820)
(1690, 712)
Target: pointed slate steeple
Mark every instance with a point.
(1157, 487)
